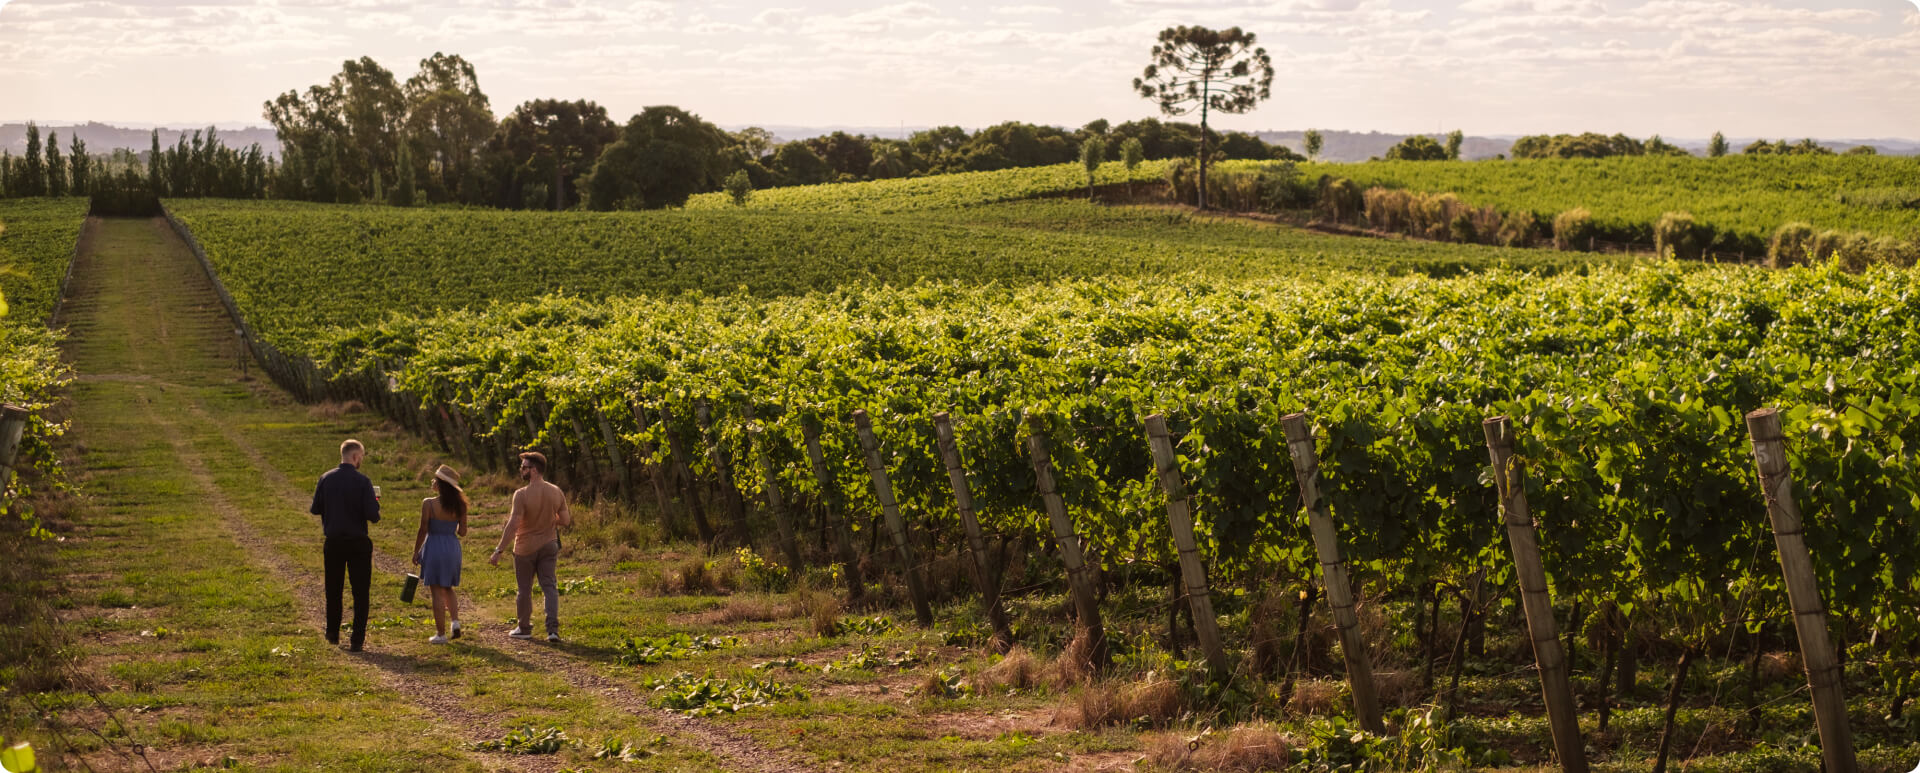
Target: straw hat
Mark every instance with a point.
(447, 474)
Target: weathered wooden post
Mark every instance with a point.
(883, 491)
(1193, 573)
(723, 469)
(683, 470)
(1333, 570)
(1824, 674)
(770, 479)
(13, 427)
(983, 577)
(656, 470)
(1523, 538)
(1085, 605)
(836, 514)
(621, 470)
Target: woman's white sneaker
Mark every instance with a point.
(437, 639)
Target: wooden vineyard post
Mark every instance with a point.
(836, 515)
(723, 469)
(619, 461)
(883, 491)
(1085, 606)
(770, 479)
(1193, 573)
(983, 576)
(657, 472)
(683, 470)
(1523, 537)
(13, 426)
(1803, 593)
(1333, 570)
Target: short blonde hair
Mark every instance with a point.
(350, 446)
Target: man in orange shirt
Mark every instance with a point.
(539, 510)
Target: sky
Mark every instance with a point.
(1680, 68)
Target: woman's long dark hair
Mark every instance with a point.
(452, 499)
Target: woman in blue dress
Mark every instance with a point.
(436, 550)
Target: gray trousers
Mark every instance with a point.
(525, 568)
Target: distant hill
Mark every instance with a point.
(101, 138)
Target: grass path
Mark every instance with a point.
(206, 601)
(194, 587)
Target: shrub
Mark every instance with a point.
(1574, 230)
(1462, 230)
(1518, 229)
(1340, 200)
(1677, 234)
(1792, 245)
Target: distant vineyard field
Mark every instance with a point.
(935, 191)
(1749, 196)
(297, 268)
(35, 247)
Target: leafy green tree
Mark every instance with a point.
(799, 165)
(1862, 150)
(1092, 152)
(56, 170)
(549, 142)
(1313, 144)
(80, 167)
(448, 119)
(847, 154)
(757, 142)
(1195, 68)
(1454, 140)
(664, 155)
(362, 107)
(6, 173)
(1758, 148)
(1717, 147)
(889, 160)
(1418, 147)
(1132, 152)
(404, 190)
(155, 179)
(1658, 147)
(739, 187)
(33, 181)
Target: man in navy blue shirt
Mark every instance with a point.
(346, 502)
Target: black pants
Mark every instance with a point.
(353, 558)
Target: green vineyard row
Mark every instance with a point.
(297, 268)
(1627, 387)
(945, 191)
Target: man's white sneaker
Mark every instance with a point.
(519, 634)
(553, 638)
(436, 639)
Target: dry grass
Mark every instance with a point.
(697, 576)
(1153, 703)
(1017, 670)
(821, 609)
(1075, 663)
(1245, 748)
(746, 610)
(1315, 696)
